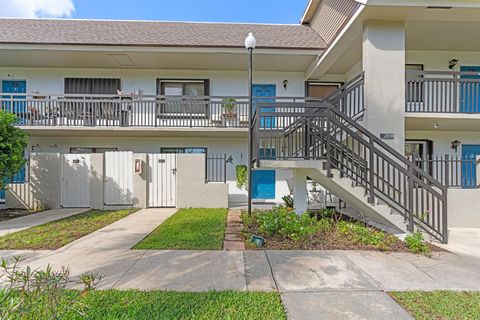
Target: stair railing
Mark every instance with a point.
(330, 135)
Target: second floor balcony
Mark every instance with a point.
(75, 110)
(443, 92)
(104, 111)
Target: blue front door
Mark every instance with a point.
(470, 91)
(263, 181)
(469, 168)
(267, 91)
(263, 184)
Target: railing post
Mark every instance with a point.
(447, 171)
(371, 198)
(445, 216)
(224, 168)
(307, 141)
(206, 169)
(329, 171)
(456, 84)
(411, 221)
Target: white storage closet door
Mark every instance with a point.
(118, 182)
(162, 183)
(76, 173)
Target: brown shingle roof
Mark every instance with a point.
(146, 33)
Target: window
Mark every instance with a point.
(176, 93)
(91, 150)
(91, 86)
(421, 151)
(414, 86)
(321, 89)
(191, 150)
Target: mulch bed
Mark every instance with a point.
(322, 241)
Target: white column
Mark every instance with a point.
(384, 67)
(299, 192)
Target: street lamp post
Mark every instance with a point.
(250, 43)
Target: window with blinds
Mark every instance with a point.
(92, 85)
(176, 94)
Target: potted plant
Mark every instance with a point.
(229, 106)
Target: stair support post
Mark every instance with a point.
(307, 141)
(300, 191)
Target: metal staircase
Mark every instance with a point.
(328, 143)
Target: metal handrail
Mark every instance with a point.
(346, 146)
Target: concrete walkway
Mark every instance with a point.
(36, 219)
(313, 284)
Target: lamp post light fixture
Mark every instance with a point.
(250, 43)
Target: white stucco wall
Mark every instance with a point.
(438, 60)
(442, 140)
(384, 66)
(228, 83)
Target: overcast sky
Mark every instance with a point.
(266, 11)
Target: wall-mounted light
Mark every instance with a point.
(455, 145)
(452, 63)
(285, 84)
(229, 159)
(35, 146)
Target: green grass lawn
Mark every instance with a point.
(189, 229)
(56, 234)
(440, 305)
(165, 305)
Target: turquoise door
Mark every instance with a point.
(263, 181)
(470, 91)
(263, 184)
(469, 168)
(14, 86)
(264, 93)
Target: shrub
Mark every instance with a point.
(40, 294)
(416, 243)
(13, 142)
(284, 222)
(288, 201)
(360, 233)
(241, 171)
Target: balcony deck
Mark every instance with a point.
(128, 112)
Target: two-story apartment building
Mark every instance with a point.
(405, 74)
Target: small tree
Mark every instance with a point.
(13, 142)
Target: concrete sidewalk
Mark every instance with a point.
(313, 284)
(36, 219)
